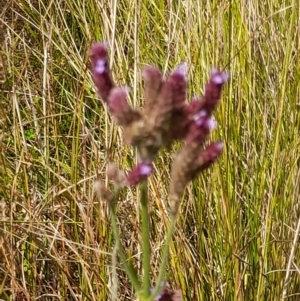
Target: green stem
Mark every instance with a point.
(130, 270)
(145, 238)
(163, 266)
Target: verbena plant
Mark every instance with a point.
(165, 118)
(237, 232)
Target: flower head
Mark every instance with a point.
(139, 174)
(166, 117)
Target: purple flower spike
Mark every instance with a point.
(120, 108)
(153, 81)
(182, 69)
(100, 69)
(212, 95)
(170, 109)
(207, 157)
(178, 85)
(139, 174)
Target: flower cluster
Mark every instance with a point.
(166, 117)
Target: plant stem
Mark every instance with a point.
(164, 261)
(145, 238)
(130, 270)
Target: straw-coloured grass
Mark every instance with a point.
(237, 235)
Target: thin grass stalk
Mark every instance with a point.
(164, 261)
(145, 238)
(130, 270)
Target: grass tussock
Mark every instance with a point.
(239, 222)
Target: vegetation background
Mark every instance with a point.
(237, 235)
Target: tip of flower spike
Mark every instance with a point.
(219, 145)
(120, 109)
(218, 77)
(182, 69)
(100, 66)
(119, 91)
(98, 55)
(211, 123)
(146, 71)
(100, 70)
(150, 73)
(99, 49)
(145, 169)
